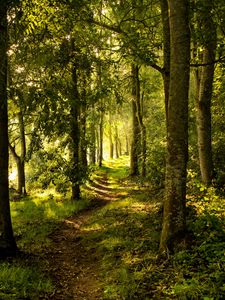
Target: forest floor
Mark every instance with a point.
(74, 264)
(105, 246)
(87, 248)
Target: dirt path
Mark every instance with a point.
(73, 265)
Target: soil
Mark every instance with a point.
(75, 266)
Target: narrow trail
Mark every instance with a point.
(73, 264)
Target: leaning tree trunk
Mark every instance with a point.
(7, 241)
(135, 143)
(75, 136)
(20, 159)
(20, 164)
(203, 100)
(174, 223)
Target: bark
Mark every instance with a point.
(127, 146)
(135, 144)
(92, 149)
(174, 223)
(75, 136)
(166, 53)
(116, 142)
(83, 112)
(7, 241)
(110, 137)
(204, 87)
(100, 153)
(141, 125)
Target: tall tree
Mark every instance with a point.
(174, 223)
(7, 241)
(135, 144)
(204, 86)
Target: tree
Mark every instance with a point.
(204, 86)
(7, 241)
(174, 223)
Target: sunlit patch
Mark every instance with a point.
(94, 227)
(13, 175)
(111, 243)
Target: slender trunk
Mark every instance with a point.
(139, 104)
(166, 53)
(7, 241)
(135, 144)
(21, 165)
(75, 136)
(127, 146)
(110, 137)
(21, 181)
(100, 156)
(204, 86)
(92, 148)
(174, 220)
(20, 159)
(119, 147)
(83, 112)
(116, 142)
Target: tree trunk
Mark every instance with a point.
(83, 111)
(135, 144)
(116, 142)
(141, 124)
(127, 146)
(20, 164)
(20, 159)
(110, 137)
(75, 136)
(100, 154)
(204, 86)
(174, 221)
(166, 53)
(92, 148)
(7, 241)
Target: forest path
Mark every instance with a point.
(72, 261)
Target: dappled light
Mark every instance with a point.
(112, 160)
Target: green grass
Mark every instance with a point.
(34, 218)
(19, 281)
(125, 235)
(126, 232)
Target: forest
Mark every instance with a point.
(112, 160)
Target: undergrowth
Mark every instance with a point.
(126, 235)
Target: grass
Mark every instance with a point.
(125, 235)
(126, 232)
(34, 219)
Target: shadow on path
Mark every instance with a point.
(73, 264)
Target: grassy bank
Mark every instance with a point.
(126, 235)
(34, 219)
